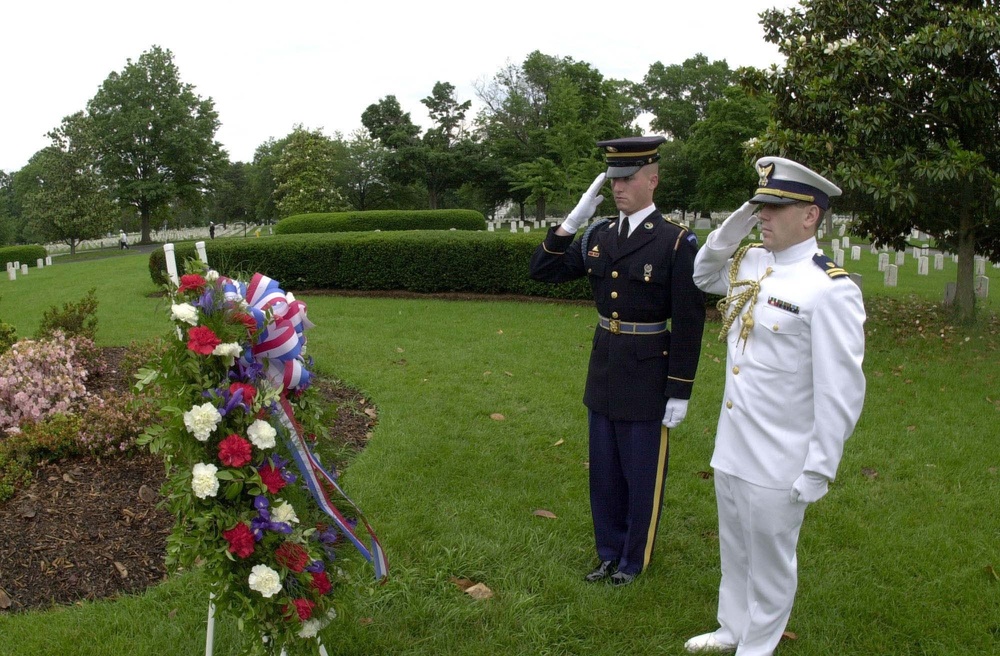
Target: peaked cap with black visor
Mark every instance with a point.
(626, 156)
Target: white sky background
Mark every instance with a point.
(269, 66)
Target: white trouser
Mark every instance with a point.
(758, 533)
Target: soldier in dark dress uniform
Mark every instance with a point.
(642, 368)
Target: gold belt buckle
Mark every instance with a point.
(615, 326)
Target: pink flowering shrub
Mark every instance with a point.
(39, 379)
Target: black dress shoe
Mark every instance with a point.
(605, 569)
(621, 578)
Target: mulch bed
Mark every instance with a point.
(89, 528)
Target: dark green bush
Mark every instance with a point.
(418, 261)
(385, 220)
(29, 254)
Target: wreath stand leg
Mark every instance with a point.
(210, 631)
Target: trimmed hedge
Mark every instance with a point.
(416, 261)
(29, 254)
(387, 220)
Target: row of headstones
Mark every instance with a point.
(520, 225)
(14, 267)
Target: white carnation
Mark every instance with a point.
(201, 420)
(211, 275)
(203, 480)
(285, 513)
(310, 628)
(230, 351)
(264, 580)
(184, 312)
(262, 434)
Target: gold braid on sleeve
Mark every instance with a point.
(737, 300)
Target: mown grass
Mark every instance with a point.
(900, 558)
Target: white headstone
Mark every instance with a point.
(949, 293)
(835, 244)
(982, 287)
(900, 258)
(841, 230)
(24, 269)
(891, 275)
(838, 257)
(925, 249)
(845, 243)
(922, 266)
(17, 265)
(11, 273)
(200, 247)
(980, 266)
(40, 263)
(883, 262)
(819, 233)
(938, 262)
(855, 252)
(873, 250)
(916, 251)
(489, 226)
(527, 228)
(513, 226)
(954, 259)
(48, 260)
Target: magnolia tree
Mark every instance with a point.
(898, 101)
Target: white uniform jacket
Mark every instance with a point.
(795, 388)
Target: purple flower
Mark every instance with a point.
(206, 302)
(315, 567)
(262, 522)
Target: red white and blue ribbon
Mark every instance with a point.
(279, 349)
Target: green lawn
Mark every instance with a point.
(900, 558)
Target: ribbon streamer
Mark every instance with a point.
(279, 350)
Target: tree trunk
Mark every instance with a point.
(144, 220)
(540, 208)
(432, 197)
(520, 206)
(965, 291)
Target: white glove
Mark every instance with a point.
(676, 410)
(737, 226)
(586, 207)
(809, 487)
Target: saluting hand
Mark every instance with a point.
(585, 209)
(736, 226)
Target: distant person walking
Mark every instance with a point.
(122, 240)
(211, 229)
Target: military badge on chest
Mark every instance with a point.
(647, 272)
(595, 251)
(783, 305)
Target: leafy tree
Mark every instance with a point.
(66, 202)
(678, 180)
(154, 138)
(231, 199)
(306, 172)
(8, 209)
(261, 180)
(717, 149)
(541, 121)
(900, 100)
(363, 173)
(678, 95)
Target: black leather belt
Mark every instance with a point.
(616, 327)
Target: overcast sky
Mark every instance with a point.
(269, 66)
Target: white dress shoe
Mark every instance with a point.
(707, 642)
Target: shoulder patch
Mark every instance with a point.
(829, 266)
(674, 223)
(692, 239)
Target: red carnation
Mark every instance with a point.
(320, 582)
(191, 281)
(292, 556)
(270, 476)
(303, 607)
(240, 540)
(248, 392)
(234, 451)
(247, 321)
(202, 340)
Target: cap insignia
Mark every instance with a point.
(765, 173)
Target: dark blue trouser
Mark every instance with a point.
(628, 469)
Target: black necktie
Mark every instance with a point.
(623, 231)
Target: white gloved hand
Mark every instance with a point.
(809, 487)
(737, 226)
(676, 410)
(586, 207)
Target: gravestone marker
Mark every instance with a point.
(980, 266)
(891, 275)
(900, 258)
(938, 262)
(24, 269)
(855, 253)
(838, 257)
(949, 293)
(845, 243)
(922, 268)
(835, 244)
(982, 287)
(883, 262)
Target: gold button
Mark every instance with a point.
(769, 271)
(614, 294)
(736, 370)
(614, 274)
(614, 315)
(646, 278)
(775, 328)
(729, 405)
(664, 353)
